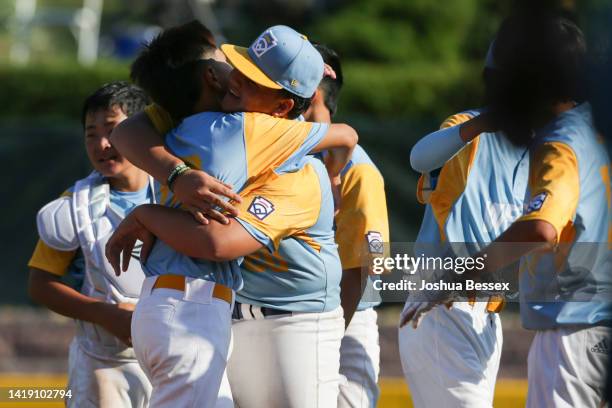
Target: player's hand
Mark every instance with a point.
(117, 319)
(121, 244)
(486, 122)
(200, 193)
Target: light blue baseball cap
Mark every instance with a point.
(280, 58)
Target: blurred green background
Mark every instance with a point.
(407, 64)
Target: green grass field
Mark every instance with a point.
(394, 392)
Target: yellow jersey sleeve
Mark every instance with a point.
(51, 260)
(426, 183)
(362, 220)
(272, 142)
(554, 182)
(282, 206)
(451, 181)
(160, 118)
(455, 120)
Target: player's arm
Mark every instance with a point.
(216, 242)
(555, 188)
(45, 287)
(139, 138)
(363, 215)
(340, 141)
(436, 148)
(179, 230)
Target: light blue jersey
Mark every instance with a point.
(238, 149)
(477, 194)
(570, 189)
(303, 274)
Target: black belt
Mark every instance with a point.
(237, 314)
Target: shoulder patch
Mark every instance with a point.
(536, 202)
(375, 242)
(261, 207)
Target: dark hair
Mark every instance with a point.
(129, 98)
(300, 104)
(169, 67)
(331, 87)
(539, 58)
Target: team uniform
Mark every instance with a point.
(361, 220)
(288, 322)
(452, 358)
(182, 326)
(73, 230)
(568, 303)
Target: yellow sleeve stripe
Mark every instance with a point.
(554, 178)
(51, 260)
(455, 120)
(452, 178)
(451, 183)
(161, 120)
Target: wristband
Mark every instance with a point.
(175, 173)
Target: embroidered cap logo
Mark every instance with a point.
(264, 43)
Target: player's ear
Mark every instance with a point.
(283, 107)
(212, 78)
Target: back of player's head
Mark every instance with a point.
(546, 49)
(169, 68)
(539, 59)
(127, 97)
(331, 87)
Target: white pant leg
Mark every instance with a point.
(360, 362)
(567, 367)
(105, 383)
(287, 361)
(225, 399)
(452, 358)
(182, 347)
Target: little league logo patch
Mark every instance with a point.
(375, 242)
(264, 43)
(261, 208)
(536, 202)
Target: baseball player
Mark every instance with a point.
(73, 230)
(248, 150)
(452, 358)
(564, 294)
(361, 222)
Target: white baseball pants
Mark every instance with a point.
(289, 361)
(182, 344)
(452, 358)
(360, 362)
(567, 367)
(98, 383)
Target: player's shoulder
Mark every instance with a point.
(361, 165)
(574, 128)
(458, 118)
(208, 120)
(206, 127)
(55, 225)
